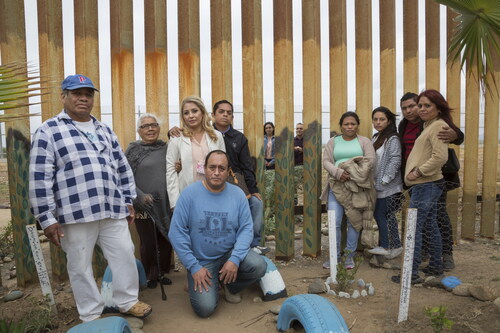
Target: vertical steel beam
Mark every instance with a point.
(311, 55)
(155, 37)
(364, 70)
(338, 61)
(253, 99)
(453, 97)
(189, 47)
(388, 54)
(87, 45)
(122, 70)
(283, 113)
(410, 42)
(222, 62)
(13, 49)
(432, 70)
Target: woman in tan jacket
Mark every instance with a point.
(423, 175)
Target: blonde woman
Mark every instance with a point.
(196, 140)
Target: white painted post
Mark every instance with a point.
(404, 297)
(332, 237)
(43, 275)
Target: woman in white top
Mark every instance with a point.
(197, 139)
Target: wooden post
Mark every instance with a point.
(13, 49)
(490, 163)
(87, 45)
(155, 39)
(471, 155)
(410, 42)
(189, 47)
(253, 100)
(387, 54)
(283, 106)
(364, 76)
(432, 70)
(222, 62)
(453, 98)
(312, 123)
(338, 61)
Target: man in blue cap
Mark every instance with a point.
(81, 192)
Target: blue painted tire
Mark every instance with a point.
(315, 313)
(105, 325)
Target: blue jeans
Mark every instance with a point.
(257, 211)
(352, 234)
(385, 215)
(424, 197)
(251, 269)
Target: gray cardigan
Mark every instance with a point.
(388, 180)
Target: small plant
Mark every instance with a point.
(11, 326)
(7, 240)
(40, 316)
(438, 318)
(346, 276)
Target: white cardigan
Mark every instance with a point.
(180, 149)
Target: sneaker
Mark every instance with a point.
(414, 279)
(379, 250)
(349, 263)
(262, 250)
(326, 264)
(393, 253)
(231, 298)
(429, 271)
(139, 310)
(448, 262)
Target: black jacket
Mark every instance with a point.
(239, 157)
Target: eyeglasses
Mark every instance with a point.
(151, 125)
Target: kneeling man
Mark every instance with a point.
(211, 232)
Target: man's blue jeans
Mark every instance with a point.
(352, 234)
(424, 197)
(257, 211)
(251, 269)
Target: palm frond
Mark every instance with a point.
(476, 36)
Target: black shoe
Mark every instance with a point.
(448, 262)
(414, 279)
(429, 271)
(165, 281)
(152, 284)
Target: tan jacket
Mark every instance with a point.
(429, 154)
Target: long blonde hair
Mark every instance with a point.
(205, 121)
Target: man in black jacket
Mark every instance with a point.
(409, 129)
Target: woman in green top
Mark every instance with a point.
(339, 149)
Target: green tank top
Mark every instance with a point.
(344, 150)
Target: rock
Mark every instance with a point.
(369, 284)
(324, 231)
(374, 262)
(364, 293)
(13, 295)
(135, 322)
(257, 299)
(371, 290)
(462, 290)
(275, 309)
(344, 295)
(361, 283)
(434, 282)
(330, 280)
(355, 294)
(43, 239)
(7, 259)
(12, 275)
(327, 286)
(60, 287)
(13, 268)
(68, 290)
(275, 318)
(298, 236)
(482, 293)
(316, 287)
(332, 292)
(497, 304)
(270, 238)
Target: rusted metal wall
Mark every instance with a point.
(189, 48)
(222, 62)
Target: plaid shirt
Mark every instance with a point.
(71, 181)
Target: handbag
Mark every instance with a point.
(236, 178)
(452, 165)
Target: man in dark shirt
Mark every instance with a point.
(409, 129)
(298, 145)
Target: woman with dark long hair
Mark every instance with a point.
(269, 145)
(388, 182)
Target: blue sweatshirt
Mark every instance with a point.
(207, 225)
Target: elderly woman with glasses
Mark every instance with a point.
(147, 159)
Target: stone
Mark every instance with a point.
(316, 287)
(12, 275)
(298, 236)
(364, 293)
(68, 290)
(497, 304)
(7, 259)
(13, 268)
(332, 292)
(275, 309)
(369, 284)
(344, 295)
(355, 294)
(434, 282)
(60, 287)
(270, 238)
(135, 322)
(361, 283)
(13, 295)
(482, 293)
(371, 290)
(43, 239)
(257, 299)
(275, 318)
(324, 231)
(462, 290)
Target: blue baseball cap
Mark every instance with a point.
(77, 81)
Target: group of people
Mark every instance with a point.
(198, 193)
(366, 179)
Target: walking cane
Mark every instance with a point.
(163, 295)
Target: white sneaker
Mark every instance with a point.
(393, 253)
(231, 298)
(379, 250)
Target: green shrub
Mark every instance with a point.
(438, 318)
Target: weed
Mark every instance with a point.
(40, 316)
(346, 276)
(438, 318)
(495, 279)
(7, 239)
(11, 326)
(496, 258)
